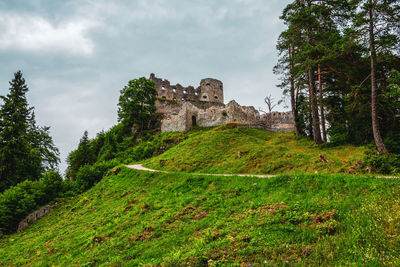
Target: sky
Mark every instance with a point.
(76, 55)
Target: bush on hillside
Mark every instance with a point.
(385, 164)
(89, 175)
(52, 185)
(20, 200)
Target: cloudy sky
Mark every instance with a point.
(76, 55)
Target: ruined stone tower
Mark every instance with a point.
(210, 90)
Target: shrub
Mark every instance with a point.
(52, 185)
(20, 200)
(385, 164)
(88, 175)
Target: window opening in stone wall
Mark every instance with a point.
(163, 88)
(196, 93)
(185, 92)
(204, 96)
(216, 97)
(174, 90)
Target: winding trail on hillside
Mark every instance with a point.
(140, 167)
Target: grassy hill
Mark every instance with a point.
(217, 151)
(179, 218)
(173, 219)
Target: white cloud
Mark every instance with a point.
(36, 34)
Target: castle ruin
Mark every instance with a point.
(186, 107)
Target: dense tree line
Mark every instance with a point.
(340, 66)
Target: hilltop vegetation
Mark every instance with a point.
(174, 219)
(232, 149)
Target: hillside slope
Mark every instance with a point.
(261, 152)
(150, 218)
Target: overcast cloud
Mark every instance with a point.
(77, 55)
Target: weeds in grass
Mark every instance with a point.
(176, 219)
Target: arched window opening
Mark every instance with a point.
(194, 122)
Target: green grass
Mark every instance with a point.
(174, 219)
(216, 151)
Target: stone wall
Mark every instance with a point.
(192, 115)
(34, 216)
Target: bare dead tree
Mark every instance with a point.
(269, 100)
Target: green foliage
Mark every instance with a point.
(393, 92)
(334, 36)
(89, 175)
(137, 103)
(42, 144)
(301, 220)
(26, 150)
(385, 164)
(261, 152)
(80, 157)
(151, 145)
(20, 200)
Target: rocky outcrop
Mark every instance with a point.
(34, 216)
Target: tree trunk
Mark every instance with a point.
(321, 104)
(313, 97)
(292, 93)
(314, 109)
(374, 88)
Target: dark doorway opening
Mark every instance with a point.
(194, 122)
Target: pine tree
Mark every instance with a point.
(26, 150)
(80, 157)
(14, 143)
(42, 144)
(378, 22)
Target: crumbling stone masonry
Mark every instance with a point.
(185, 107)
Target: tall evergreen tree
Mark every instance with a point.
(378, 22)
(14, 144)
(26, 150)
(42, 143)
(80, 157)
